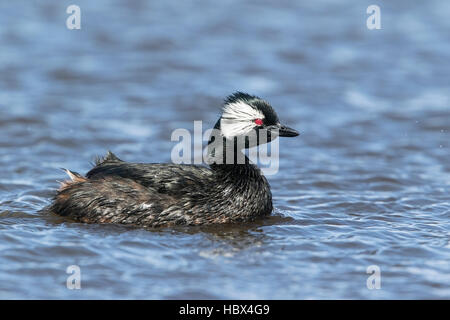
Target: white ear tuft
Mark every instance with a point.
(237, 119)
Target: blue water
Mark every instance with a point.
(366, 183)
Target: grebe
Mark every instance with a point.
(157, 195)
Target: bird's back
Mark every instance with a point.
(115, 191)
(155, 195)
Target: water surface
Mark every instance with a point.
(366, 183)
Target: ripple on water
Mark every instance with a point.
(366, 182)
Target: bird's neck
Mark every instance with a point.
(245, 179)
(227, 159)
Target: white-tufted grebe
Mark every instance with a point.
(155, 195)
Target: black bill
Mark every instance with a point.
(287, 132)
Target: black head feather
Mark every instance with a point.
(271, 117)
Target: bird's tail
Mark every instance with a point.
(75, 177)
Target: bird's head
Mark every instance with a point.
(245, 115)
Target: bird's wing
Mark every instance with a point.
(170, 179)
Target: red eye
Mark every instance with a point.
(259, 122)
